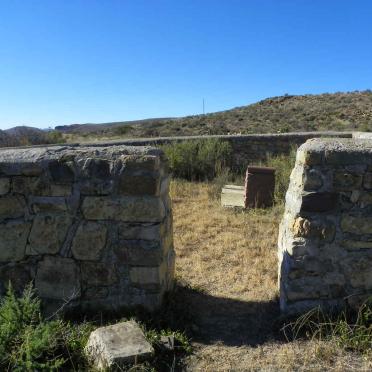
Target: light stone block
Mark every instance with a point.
(89, 241)
(13, 239)
(128, 209)
(48, 233)
(117, 345)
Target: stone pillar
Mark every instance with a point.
(89, 225)
(325, 237)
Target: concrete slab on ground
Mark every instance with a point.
(233, 196)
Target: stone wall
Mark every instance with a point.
(247, 149)
(89, 226)
(325, 238)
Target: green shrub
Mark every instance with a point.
(198, 159)
(283, 165)
(54, 136)
(29, 342)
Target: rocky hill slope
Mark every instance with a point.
(337, 111)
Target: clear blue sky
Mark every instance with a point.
(76, 61)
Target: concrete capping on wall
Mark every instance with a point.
(325, 237)
(88, 225)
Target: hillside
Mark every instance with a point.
(337, 111)
(22, 135)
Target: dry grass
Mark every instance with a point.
(229, 260)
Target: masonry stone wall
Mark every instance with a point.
(90, 226)
(325, 238)
(247, 149)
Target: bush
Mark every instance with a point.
(54, 136)
(122, 130)
(200, 159)
(283, 165)
(29, 342)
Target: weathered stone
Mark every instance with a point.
(41, 204)
(147, 231)
(21, 162)
(365, 199)
(138, 184)
(344, 181)
(96, 187)
(58, 278)
(318, 201)
(30, 186)
(129, 208)
(4, 185)
(306, 287)
(89, 241)
(145, 275)
(60, 190)
(61, 172)
(356, 244)
(358, 271)
(312, 180)
(354, 197)
(117, 345)
(355, 224)
(97, 273)
(147, 163)
(48, 234)
(12, 206)
(13, 238)
(167, 342)
(140, 252)
(309, 157)
(96, 168)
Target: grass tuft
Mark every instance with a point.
(351, 331)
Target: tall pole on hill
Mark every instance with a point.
(203, 107)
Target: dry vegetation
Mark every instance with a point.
(227, 260)
(338, 111)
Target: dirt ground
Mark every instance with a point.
(227, 262)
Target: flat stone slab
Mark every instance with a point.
(232, 196)
(117, 345)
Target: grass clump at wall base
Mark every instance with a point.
(198, 160)
(349, 330)
(30, 343)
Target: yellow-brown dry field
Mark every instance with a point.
(227, 259)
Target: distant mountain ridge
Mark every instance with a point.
(289, 113)
(348, 111)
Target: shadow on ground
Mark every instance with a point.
(231, 322)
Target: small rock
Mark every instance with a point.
(117, 345)
(167, 342)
